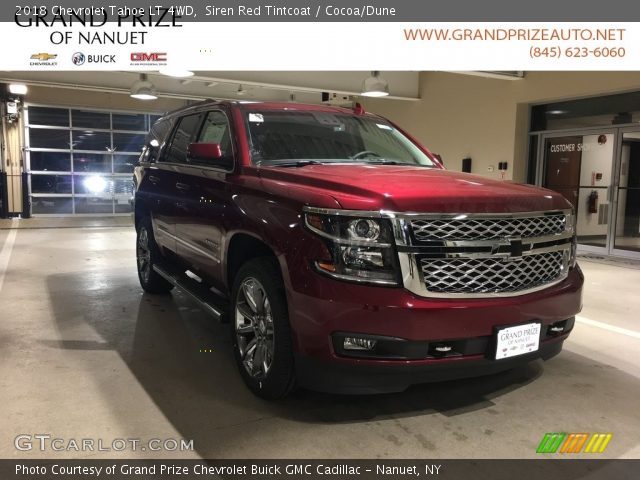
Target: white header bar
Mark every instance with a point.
(322, 46)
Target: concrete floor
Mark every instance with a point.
(85, 354)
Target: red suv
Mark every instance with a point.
(342, 253)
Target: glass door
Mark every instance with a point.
(580, 166)
(625, 231)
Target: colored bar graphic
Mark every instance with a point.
(574, 442)
(550, 442)
(598, 443)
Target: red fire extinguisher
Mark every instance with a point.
(592, 202)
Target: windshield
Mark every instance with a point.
(296, 137)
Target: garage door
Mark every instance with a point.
(81, 161)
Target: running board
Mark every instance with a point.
(211, 303)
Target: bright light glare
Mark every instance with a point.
(176, 72)
(95, 184)
(17, 89)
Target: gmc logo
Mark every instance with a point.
(148, 57)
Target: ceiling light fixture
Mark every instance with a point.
(143, 89)
(375, 86)
(176, 72)
(17, 89)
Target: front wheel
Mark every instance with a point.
(260, 329)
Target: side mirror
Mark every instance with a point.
(204, 151)
(210, 154)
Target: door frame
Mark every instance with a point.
(612, 189)
(615, 191)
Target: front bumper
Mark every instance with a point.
(355, 379)
(320, 307)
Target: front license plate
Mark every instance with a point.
(514, 341)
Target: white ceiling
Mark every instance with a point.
(277, 86)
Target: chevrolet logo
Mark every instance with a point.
(510, 249)
(516, 247)
(43, 57)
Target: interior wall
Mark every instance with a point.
(487, 119)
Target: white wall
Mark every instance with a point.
(488, 119)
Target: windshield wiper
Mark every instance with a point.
(298, 163)
(382, 161)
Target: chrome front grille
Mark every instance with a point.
(472, 228)
(476, 255)
(491, 275)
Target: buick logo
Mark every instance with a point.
(78, 58)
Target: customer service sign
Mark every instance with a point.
(318, 35)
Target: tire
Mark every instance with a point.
(260, 329)
(148, 254)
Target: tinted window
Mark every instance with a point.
(51, 205)
(216, 130)
(280, 137)
(126, 121)
(52, 161)
(58, 117)
(128, 142)
(48, 138)
(81, 118)
(90, 140)
(124, 163)
(183, 136)
(51, 183)
(91, 162)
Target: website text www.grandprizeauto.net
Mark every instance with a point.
(582, 38)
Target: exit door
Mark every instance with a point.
(598, 172)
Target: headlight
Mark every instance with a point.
(361, 248)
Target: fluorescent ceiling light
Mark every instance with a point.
(375, 86)
(143, 89)
(176, 72)
(17, 89)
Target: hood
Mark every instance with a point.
(408, 189)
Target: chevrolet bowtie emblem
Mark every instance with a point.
(516, 247)
(510, 249)
(43, 57)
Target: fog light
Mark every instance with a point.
(353, 343)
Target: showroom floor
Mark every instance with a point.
(85, 354)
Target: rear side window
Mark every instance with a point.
(184, 134)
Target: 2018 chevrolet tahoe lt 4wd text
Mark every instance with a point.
(344, 256)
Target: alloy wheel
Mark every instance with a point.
(254, 328)
(143, 254)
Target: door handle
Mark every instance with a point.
(182, 186)
(153, 179)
